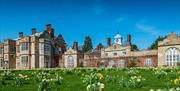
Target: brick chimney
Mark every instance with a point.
(48, 27)
(52, 33)
(33, 30)
(50, 30)
(108, 41)
(75, 45)
(128, 42)
(20, 34)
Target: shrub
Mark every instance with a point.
(132, 82)
(94, 81)
(44, 85)
(7, 75)
(132, 63)
(21, 79)
(58, 79)
(132, 72)
(40, 76)
(160, 74)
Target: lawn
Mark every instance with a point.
(90, 79)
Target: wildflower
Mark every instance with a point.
(172, 89)
(98, 83)
(159, 90)
(100, 76)
(178, 88)
(138, 80)
(175, 81)
(101, 85)
(88, 87)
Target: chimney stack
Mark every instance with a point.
(75, 45)
(20, 34)
(128, 42)
(50, 30)
(33, 30)
(48, 27)
(52, 33)
(108, 40)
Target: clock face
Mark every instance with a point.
(117, 40)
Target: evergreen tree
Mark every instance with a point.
(134, 47)
(154, 45)
(87, 44)
(99, 46)
(132, 63)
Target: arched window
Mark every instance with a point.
(111, 64)
(121, 63)
(172, 56)
(70, 62)
(148, 62)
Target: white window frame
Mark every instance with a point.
(172, 56)
(148, 62)
(70, 62)
(24, 61)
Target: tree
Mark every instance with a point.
(87, 44)
(99, 46)
(132, 63)
(134, 47)
(154, 45)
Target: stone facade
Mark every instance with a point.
(171, 44)
(33, 51)
(8, 54)
(1, 55)
(120, 55)
(28, 52)
(44, 50)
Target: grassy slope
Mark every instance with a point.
(73, 82)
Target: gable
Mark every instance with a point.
(172, 39)
(70, 51)
(45, 34)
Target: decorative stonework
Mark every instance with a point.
(172, 41)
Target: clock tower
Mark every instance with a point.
(118, 39)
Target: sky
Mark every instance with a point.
(145, 20)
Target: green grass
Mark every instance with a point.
(72, 81)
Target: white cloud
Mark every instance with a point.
(147, 28)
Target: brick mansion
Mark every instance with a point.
(45, 50)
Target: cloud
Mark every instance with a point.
(147, 28)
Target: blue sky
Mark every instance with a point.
(74, 19)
